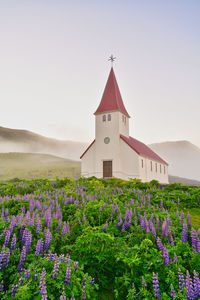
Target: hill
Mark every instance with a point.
(31, 165)
(16, 140)
(183, 158)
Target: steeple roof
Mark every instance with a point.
(111, 99)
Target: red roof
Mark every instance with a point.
(111, 99)
(142, 149)
(87, 149)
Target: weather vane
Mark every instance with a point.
(112, 59)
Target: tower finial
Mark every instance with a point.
(111, 59)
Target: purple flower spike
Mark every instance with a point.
(189, 219)
(196, 284)
(184, 233)
(105, 226)
(173, 293)
(181, 280)
(156, 286)
(189, 286)
(68, 275)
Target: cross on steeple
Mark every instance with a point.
(111, 59)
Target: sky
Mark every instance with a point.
(54, 66)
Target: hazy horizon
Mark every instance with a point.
(54, 66)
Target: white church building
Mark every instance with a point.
(114, 152)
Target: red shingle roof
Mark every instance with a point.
(87, 149)
(142, 149)
(111, 99)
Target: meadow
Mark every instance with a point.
(98, 239)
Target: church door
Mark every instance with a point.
(107, 168)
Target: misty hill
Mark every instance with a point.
(183, 158)
(30, 165)
(15, 140)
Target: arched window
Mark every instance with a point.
(104, 118)
(160, 169)
(151, 166)
(156, 167)
(142, 164)
(109, 117)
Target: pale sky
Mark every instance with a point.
(54, 66)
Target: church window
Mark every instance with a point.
(142, 164)
(122, 118)
(104, 118)
(160, 169)
(151, 166)
(109, 117)
(156, 167)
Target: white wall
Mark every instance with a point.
(147, 175)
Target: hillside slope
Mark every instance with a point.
(30, 165)
(183, 158)
(15, 140)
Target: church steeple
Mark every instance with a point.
(111, 99)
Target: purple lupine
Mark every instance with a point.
(59, 225)
(48, 237)
(161, 205)
(175, 259)
(156, 285)
(55, 270)
(173, 293)
(38, 226)
(7, 238)
(196, 284)
(27, 273)
(160, 245)
(164, 228)
(65, 229)
(22, 259)
(189, 286)
(13, 243)
(194, 239)
(184, 233)
(157, 223)
(76, 265)
(39, 247)
(14, 290)
(68, 275)
(198, 245)
(42, 285)
(189, 219)
(63, 297)
(182, 215)
(28, 240)
(1, 286)
(166, 256)
(181, 279)
(177, 213)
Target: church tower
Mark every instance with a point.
(111, 120)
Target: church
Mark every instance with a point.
(114, 152)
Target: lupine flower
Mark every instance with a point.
(166, 256)
(1, 286)
(175, 259)
(68, 275)
(181, 279)
(63, 297)
(55, 270)
(194, 239)
(39, 247)
(196, 284)
(184, 233)
(160, 245)
(27, 273)
(59, 225)
(7, 238)
(38, 226)
(14, 290)
(156, 286)
(65, 229)
(189, 286)
(76, 265)
(42, 285)
(182, 215)
(189, 219)
(13, 243)
(48, 237)
(173, 293)
(177, 213)
(22, 258)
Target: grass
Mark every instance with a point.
(31, 165)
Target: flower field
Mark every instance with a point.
(97, 239)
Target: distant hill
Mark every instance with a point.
(183, 158)
(30, 165)
(15, 140)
